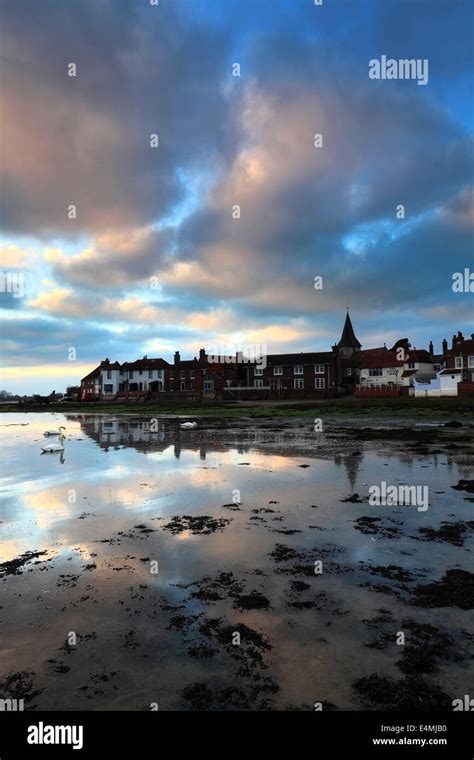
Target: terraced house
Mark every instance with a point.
(346, 369)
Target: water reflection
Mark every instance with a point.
(102, 514)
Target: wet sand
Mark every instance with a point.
(182, 564)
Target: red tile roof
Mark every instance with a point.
(92, 375)
(380, 360)
(109, 365)
(146, 364)
(463, 347)
(420, 355)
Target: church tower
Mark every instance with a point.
(346, 365)
(348, 343)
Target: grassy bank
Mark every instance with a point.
(446, 408)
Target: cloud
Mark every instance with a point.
(166, 213)
(85, 140)
(12, 256)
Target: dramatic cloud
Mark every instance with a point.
(155, 259)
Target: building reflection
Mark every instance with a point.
(158, 435)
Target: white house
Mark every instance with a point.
(384, 367)
(444, 384)
(109, 377)
(143, 375)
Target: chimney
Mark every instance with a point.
(472, 336)
(202, 354)
(431, 349)
(445, 346)
(453, 342)
(177, 357)
(460, 336)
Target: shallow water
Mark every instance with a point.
(99, 511)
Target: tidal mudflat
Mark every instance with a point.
(237, 566)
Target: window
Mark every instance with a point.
(150, 373)
(258, 383)
(183, 385)
(319, 382)
(348, 370)
(108, 388)
(375, 373)
(193, 375)
(183, 374)
(411, 365)
(140, 372)
(208, 385)
(171, 375)
(109, 374)
(470, 361)
(258, 371)
(319, 369)
(277, 370)
(299, 384)
(130, 374)
(298, 369)
(458, 362)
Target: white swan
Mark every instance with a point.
(54, 432)
(51, 448)
(188, 425)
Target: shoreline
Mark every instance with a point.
(380, 408)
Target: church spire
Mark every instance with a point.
(348, 338)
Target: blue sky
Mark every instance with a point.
(155, 261)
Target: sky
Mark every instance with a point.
(157, 258)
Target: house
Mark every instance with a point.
(303, 374)
(187, 374)
(207, 376)
(454, 371)
(392, 372)
(380, 370)
(109, 378)
(143, 376)
(90, 385)
(461, 357)
(445, 383)
(347, 368)
(418, 365)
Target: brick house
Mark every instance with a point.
(347, 368)
(90, 385)
(460, 361)
(286, 375)
(205, 375)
